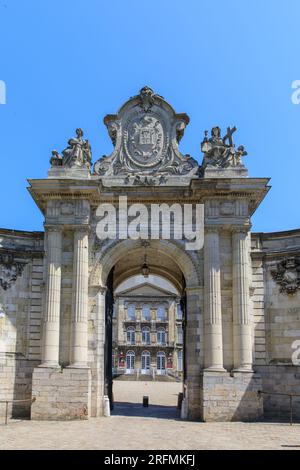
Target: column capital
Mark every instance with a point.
(53, 228)
(101, 289)
(85, 229)
(241, 228)
(212, 228)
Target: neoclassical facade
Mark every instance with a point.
(239, 293)
(147, 335)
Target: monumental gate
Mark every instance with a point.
(240, 291)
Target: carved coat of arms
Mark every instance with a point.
(146, 141)
(145, 134)
(287, 275)
(9, 270)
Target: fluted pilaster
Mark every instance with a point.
(212, 301)
(50, 350)
(80, 298)
(242, 330)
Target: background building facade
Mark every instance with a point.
(147, 331)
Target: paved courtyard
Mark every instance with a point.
(155, 428)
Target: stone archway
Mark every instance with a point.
(169, 260)
(147, 167)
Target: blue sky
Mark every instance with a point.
(67, 63)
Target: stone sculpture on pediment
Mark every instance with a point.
(220, 151)
(77, 154)
(145, 134)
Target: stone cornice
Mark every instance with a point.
(199, 190)
(21, 233)
(22, 253)
(275, 254)
(43, 190)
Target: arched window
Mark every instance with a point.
(161, 336)
(131, 312)
(130, 356)
(130, 335)
(146, 361)
(161, 313)
(161, 363)
(146, 335)
(146, 316)
(179, 334)
(179, 361)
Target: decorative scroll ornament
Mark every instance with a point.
(77, 154)
(9, 270)
(220, 151)
(145, 133)
(287, 275)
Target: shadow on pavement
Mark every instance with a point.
(152, 411)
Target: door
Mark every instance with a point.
(161, 363)
(146, 362)
(130, 362)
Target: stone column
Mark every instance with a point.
(192, 360)
(50, 354)
(80, 298)
(120, 319)
(213, 359)
(98, 365)
(242, 341)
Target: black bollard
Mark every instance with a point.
(145, 401)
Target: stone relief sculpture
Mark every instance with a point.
(219, 153)
(9, 270)
(287, 275)
(77, 154)
(145, 134)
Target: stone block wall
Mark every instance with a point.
(280, 379)
(277, 320)
(20, 316)
(16, 384)
(61, 394)
(231, 397)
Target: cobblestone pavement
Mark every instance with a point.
(155, 428)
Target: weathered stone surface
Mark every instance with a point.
(231, 397)
(61, 394)
(238, 314)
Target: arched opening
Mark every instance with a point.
(161, 363)
(149, 311)
(146, 361)
(130, 362)
(146, 338)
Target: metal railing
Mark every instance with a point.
(31, 400)
(290, 395)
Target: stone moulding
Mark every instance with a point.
(10, 269)
(145, 134)
(287, 275)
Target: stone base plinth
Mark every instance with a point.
(231, 396)
(65, 172)
(230, 172)
(61, 394)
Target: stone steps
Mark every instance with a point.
(146, 378)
